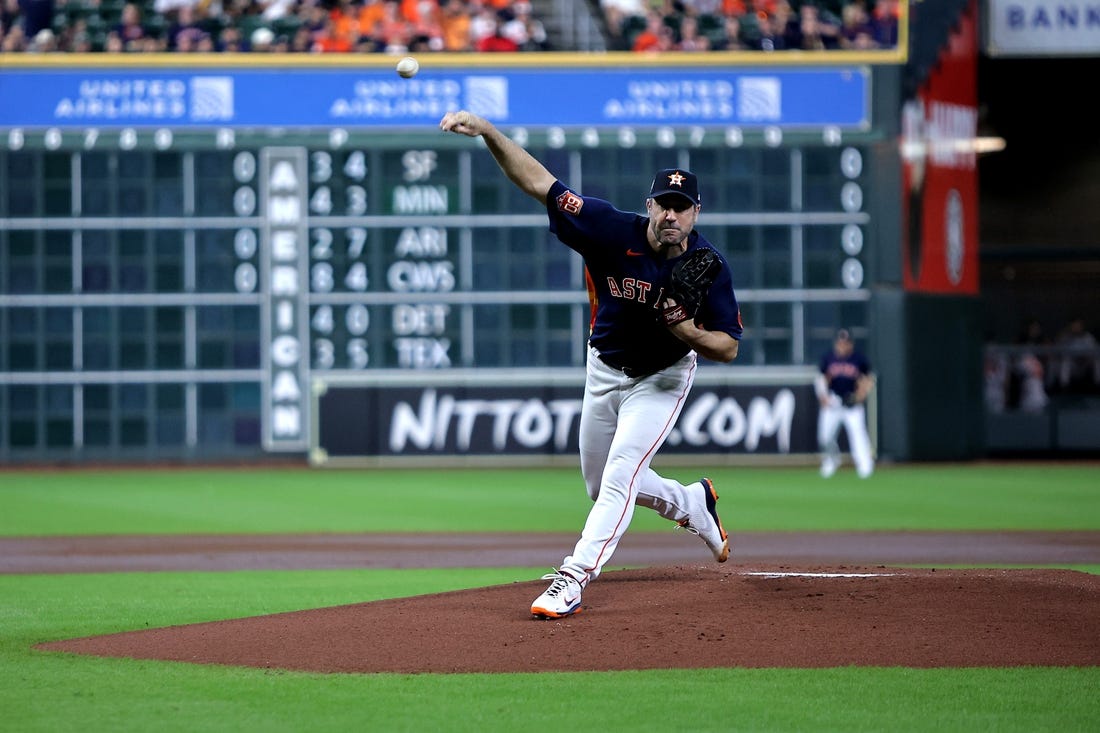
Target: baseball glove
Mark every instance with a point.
(689, 283)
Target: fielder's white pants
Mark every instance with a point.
(623, 424)
(854, 420)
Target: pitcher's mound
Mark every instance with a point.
(669, 617)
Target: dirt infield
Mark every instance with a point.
(785, 600)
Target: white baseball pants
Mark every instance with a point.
(854, 420)
(623, 424)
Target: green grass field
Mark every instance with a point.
(56, 692)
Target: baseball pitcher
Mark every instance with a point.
(660, 297)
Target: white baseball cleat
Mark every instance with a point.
(828, 467)
(562, 598)
(704, 522)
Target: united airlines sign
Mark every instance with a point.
(369, 97)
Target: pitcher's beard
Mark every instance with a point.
(665, 245)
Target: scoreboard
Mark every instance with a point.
(173, 291)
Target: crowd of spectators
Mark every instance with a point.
(284, 26)
(424, 26)
(751, 25)
(1037, 368)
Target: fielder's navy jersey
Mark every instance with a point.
(842, 374)
(626, 282)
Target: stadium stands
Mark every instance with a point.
(423, 26)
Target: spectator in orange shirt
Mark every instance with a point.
(455, 25)
(414, 10)
(328, 39)
(371, 12)
(657, 36)
(345, 23)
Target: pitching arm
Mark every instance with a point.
(529, 175)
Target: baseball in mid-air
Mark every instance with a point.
(407, 67)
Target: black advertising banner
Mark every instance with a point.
(361, 421)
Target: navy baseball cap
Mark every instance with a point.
(675, 180)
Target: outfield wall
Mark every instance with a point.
(185, 258)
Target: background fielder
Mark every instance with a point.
(642, 353)
(842, 385)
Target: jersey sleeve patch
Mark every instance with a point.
(570, 203)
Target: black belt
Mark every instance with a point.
(632, 372)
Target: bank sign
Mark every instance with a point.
(453, 421)
(1043, 28)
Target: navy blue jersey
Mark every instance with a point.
(842, 374)
(626, 282)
